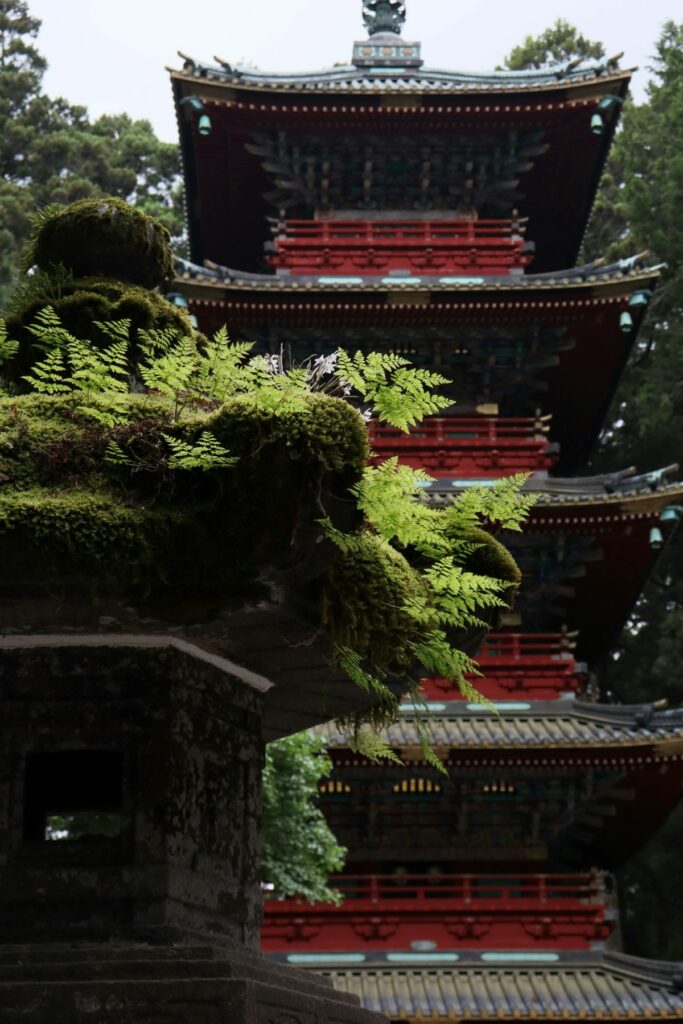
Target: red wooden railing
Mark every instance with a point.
(470, 889)
(380, 912)
(520, 666)
(468, 446)
(369, 247)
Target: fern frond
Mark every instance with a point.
(8, 348)
(207, 453)
(49, 332)
(49, 377)
(115, 455)
(349, 661)
(369, 744)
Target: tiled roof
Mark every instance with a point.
(463, 727)
(606, 489)
(348, 79)
(589, 274)
(578, 986)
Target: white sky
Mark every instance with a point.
(109, 55)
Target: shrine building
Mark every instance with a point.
(383, 205)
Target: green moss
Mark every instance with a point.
(79, 303)
(220, 527)
(104, 237)
(363, 598)
(79, 530)
(493, 559)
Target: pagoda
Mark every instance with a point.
(386, 206)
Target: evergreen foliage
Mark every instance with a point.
(646, 172)
(52, 152)
(638, 208)
(559, 44)
(299, 850)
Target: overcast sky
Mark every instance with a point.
(110, 55)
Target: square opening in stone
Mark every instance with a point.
(73, 795)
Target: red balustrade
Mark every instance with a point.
(468, 446)
(520, 666)
(373, 247)
(476, 911)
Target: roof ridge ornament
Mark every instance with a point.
(384, 16)
(385, 49)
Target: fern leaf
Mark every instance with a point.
(49, 377)
(207, 453)
(8, 348)
(370, 745)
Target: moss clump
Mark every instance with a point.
(212, 531)
(493, 559)
(79, 303)
(363, 600)
(54, 528)
(104, 237)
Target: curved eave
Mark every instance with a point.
(223, 284)
(617, 508)
(565, 986)
(543, 730)
(351, 81)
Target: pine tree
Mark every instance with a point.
(52, 152)
(559, 44)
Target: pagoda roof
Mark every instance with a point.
(528, 135)
(465, 987)
(626, 489)
(534, 725)
(349, 79)
(632, 269)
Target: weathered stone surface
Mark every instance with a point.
(164, 985)
(153, 923)
(185, 740)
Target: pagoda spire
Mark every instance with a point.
(384, 16)
(384, 48)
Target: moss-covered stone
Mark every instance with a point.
(80, 303)
(104, 237)
(211, 531)
(363, 601)
(493, 559)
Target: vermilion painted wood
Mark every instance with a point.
(474, 911)
(519, 666)
(468, 446)
(368, 247)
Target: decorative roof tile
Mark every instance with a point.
(464, 726)
(592, 273)
(351, 79)
(511, 985)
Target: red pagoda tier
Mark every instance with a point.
(521, 665)
(386, 206)
(395, 142)
(511, 343)
(420, 246)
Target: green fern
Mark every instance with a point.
(207, 453)
(115, 455)
(369, 744)
(49, 332)
(350, 662)
(8, 348)
(50, 376)
(398, 393)
(99, 370)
